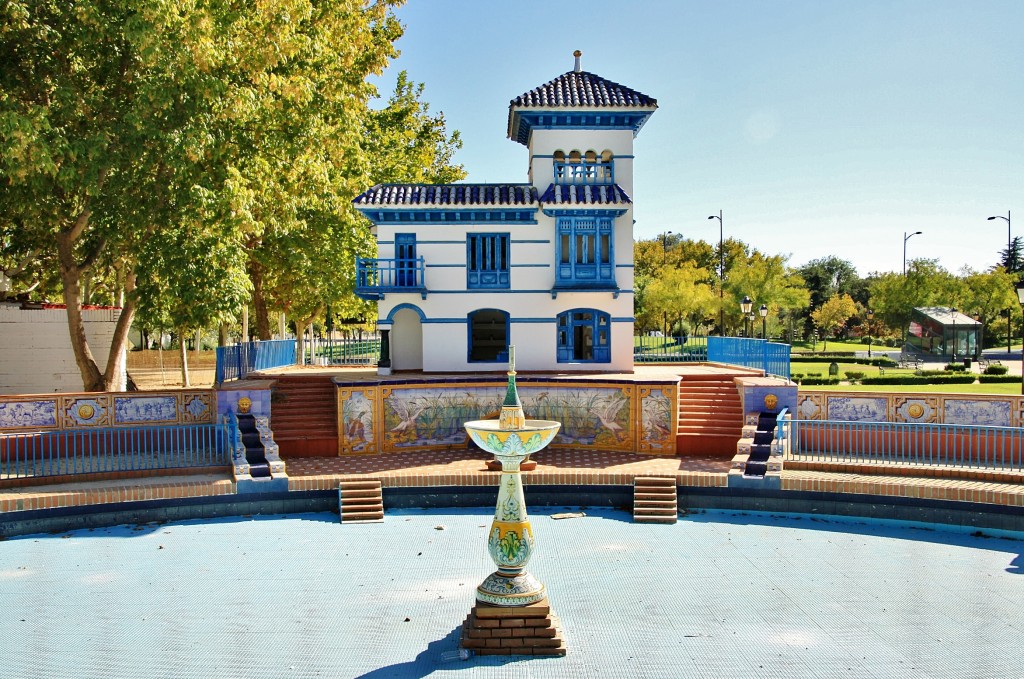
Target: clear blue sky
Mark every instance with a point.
(819, 127)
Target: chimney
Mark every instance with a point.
(577, 67)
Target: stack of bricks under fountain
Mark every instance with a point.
(513, 630)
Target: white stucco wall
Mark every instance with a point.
(35, 348)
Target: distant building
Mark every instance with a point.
(944, 332)
(464, 270)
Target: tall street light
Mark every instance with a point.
(664, 256)
(871, 317)
(746, 304)
(907, 237)
(721, 273)
(1020, 298)
(664, 241)
(763, 311)
(1009, 239)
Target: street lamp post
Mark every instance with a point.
(664, 255)
(871, 317)
(664, 241)
(721, 272)
(1020, 298)
(763, 311)
(907, 237)
(1009, 239)
(746, 304)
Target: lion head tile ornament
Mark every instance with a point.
(511, 438)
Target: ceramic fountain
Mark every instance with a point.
(511, 439)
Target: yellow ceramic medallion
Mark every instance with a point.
(244, 405)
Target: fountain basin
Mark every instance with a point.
(512, 443)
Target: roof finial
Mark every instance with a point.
(577, 67)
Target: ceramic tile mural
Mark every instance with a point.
(420, 417)
(78, 411)
(1000, 411)
(29, 413)
(657, 435)
(963, 411)
(857, 409)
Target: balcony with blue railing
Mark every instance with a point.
(377, 277)
(584, 172)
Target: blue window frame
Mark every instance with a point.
(487, 260)
(585, 250)
(405, 260)
(488, 336)
(584, 336)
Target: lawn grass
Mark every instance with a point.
(821, 367)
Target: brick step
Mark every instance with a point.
(654, 500)
(303, 432)
(360, 501)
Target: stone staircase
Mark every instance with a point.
(710, 416)
(304, 415)
(759, 454)
(655, 500)
(361, 501)
(256, 465)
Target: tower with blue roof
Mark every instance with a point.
(463, 270)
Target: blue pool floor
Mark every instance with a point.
(720, 594)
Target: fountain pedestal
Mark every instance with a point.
(512, 614)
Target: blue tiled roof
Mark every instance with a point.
(585, 194)
(447, 194)
(578, 89)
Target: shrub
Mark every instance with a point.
(919, 379)
(992, 379)
(956, 367)
(996, 370)
(853, 374)
(810, 381)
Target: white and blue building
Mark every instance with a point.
(464, 270)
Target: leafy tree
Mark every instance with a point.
(119, 120)
(894, 296)
(766, 280)
(681, 292)
(987, 295)
(833, 314)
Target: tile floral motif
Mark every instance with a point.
(856, 409)
(24, 414)
(143, 409)
(85, 412)
(963, 411)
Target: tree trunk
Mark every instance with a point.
(70, 276)
(222, 335)
(259, 302)
(183, 355)
(300, 340)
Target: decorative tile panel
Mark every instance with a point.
(85, 411)
(34, 413)
(196, 407)
(858, 409)
(145, 409)
(356, 425)
(811, 406)
(657, 430)
(970, 411)
(918, 409)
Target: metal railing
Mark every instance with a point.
(657, 349)
(113, 449)
(907, 443)
(357, 348)
(237, 361)
(771, 357)
(376, 275)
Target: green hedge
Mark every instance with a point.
(996, 370)
(882, 361)
(854, 374)
(992, 379)
(811, 381)
(919, 379)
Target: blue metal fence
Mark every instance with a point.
(907, 443)
(237, 361)
(771, 357)
(658, 349)
(357, 349)
(112, 449)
